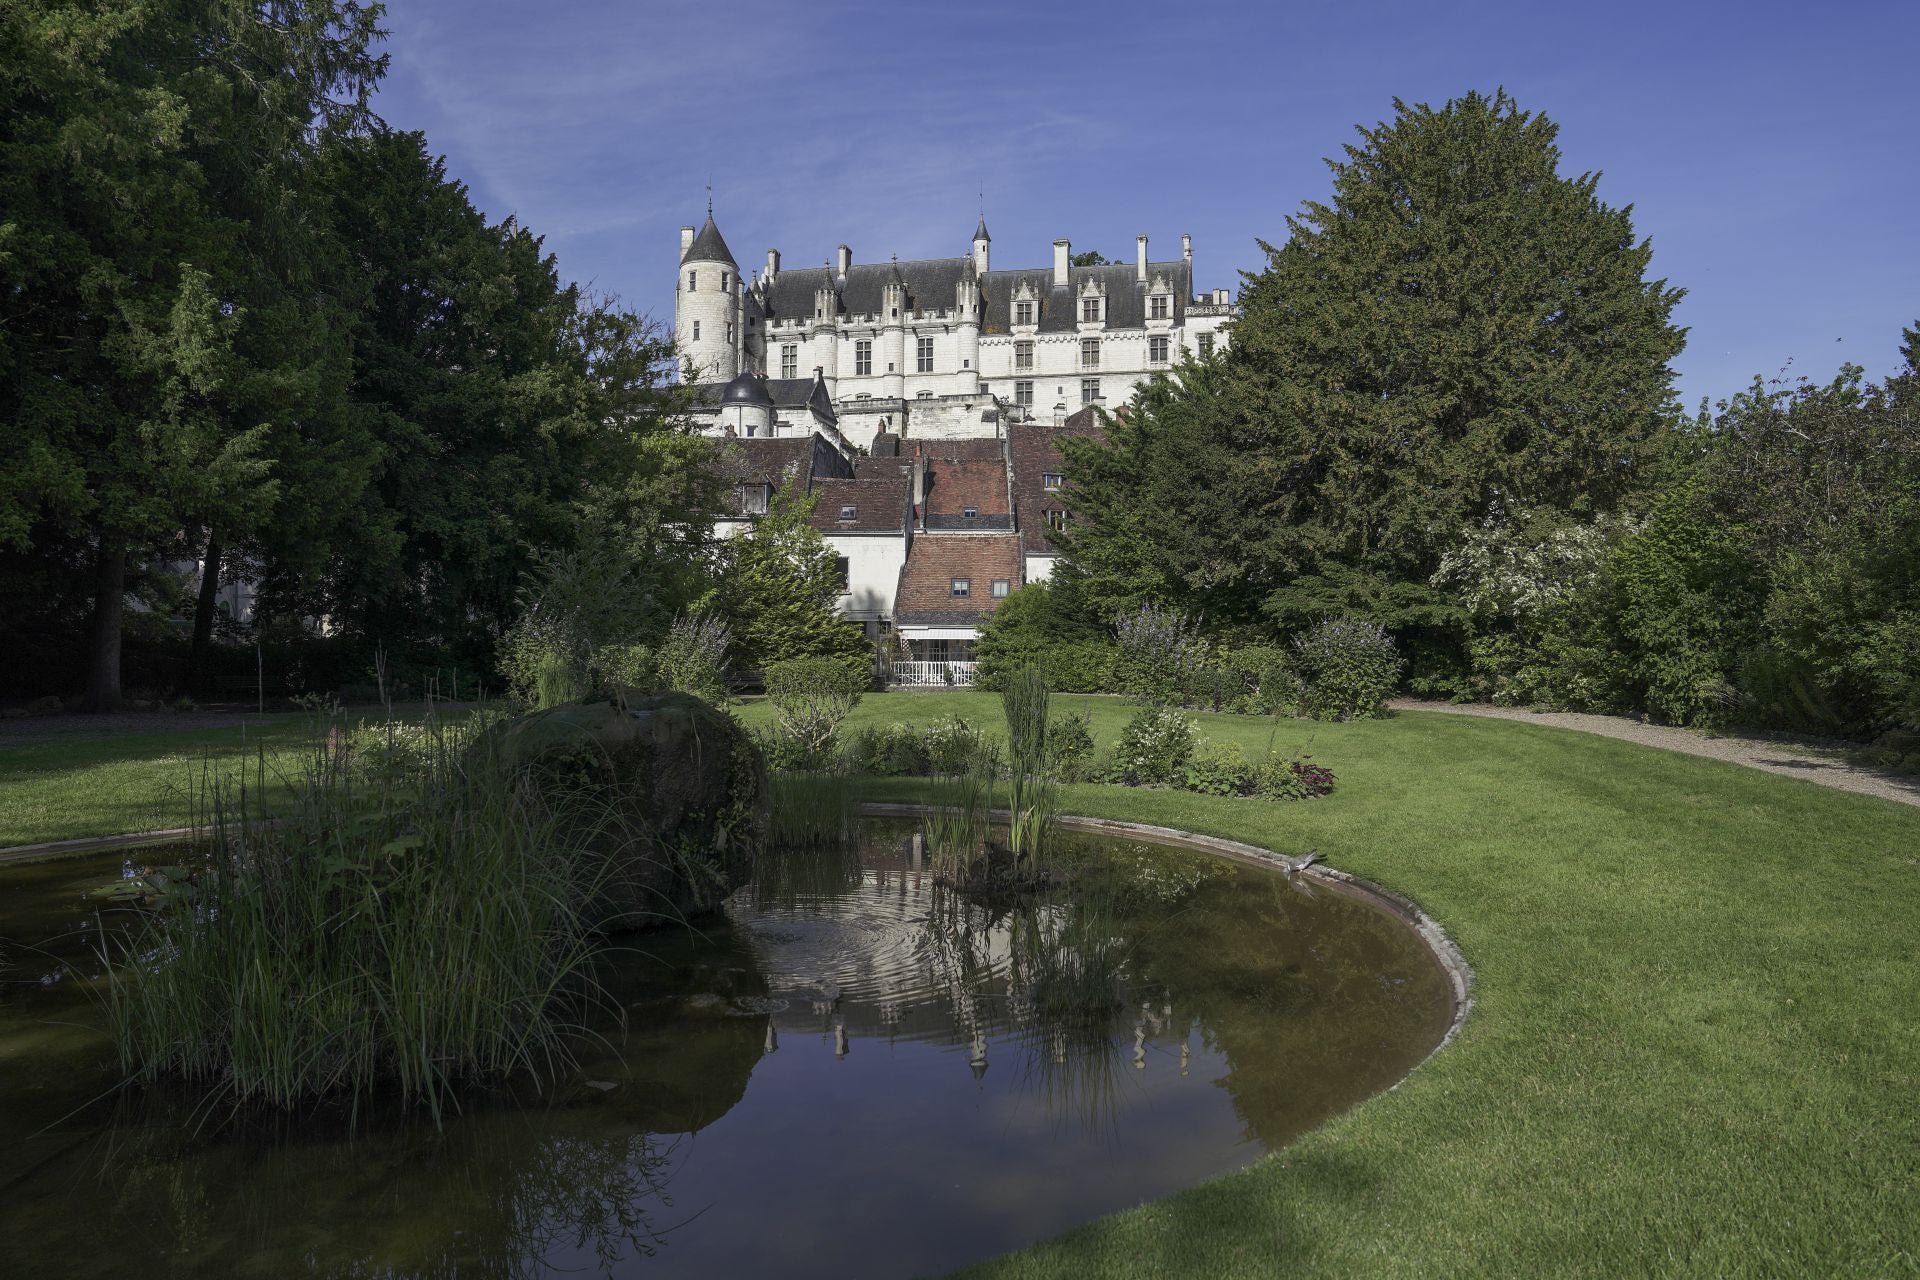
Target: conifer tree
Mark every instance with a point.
(1459, 332)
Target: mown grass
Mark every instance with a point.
(74, 783)
(1696, 1043)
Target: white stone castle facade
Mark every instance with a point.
(922, 404)
(937, 347)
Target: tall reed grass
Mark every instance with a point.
(812, 808)
(384, 933)
(1029, 766)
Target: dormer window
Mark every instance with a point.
(962, 588)
(1023, 313)
(970, 512)
(1057, 520)
(753, 499)
(1159, 307)
(1051, 480)
(1090, 310)
(849, 512)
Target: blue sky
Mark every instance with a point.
(1769, 150)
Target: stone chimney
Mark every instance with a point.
(773, 263)
(1062, 260)
(1140, 259)
(686, 240)
(843, 260)
(919, 487)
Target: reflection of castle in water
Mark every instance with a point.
(865, 944)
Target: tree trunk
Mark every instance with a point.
(103, 656)
(203, 615)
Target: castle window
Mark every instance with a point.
(790, 360)
(863, 357)
(1023, 393)
(726, 281)
(1206, 345)
(1051, 480)
(1000, 588)
(962, 588)
(1023, 355)
(840, 571)
(1090, 310)
(1089, 390)
(729, 333)
(696, 331)
(1089, 353)
(1157, 349)
(924, 355)
(693, 281)
(923, 395)
(1162, 306)
(1023, 313)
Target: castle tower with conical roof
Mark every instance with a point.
(707, 312)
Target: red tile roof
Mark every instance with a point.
(952, 487)
(1035, 454)
(926, 594)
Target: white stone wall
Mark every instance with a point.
(873, 571)
(712, 356)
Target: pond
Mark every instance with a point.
(851, 1073)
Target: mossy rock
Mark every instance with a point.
(670, 792)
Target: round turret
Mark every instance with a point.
(746, 408)
(706, 310)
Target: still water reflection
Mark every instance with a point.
(852, 1073)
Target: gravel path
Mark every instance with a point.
(1815, 761)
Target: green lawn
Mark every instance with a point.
(1696, 1043)
(82, 784)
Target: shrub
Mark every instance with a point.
(1070, 744)
(1155, 745)
(1264, 680)
(889, 751)
(811, 697)
(634, 666)
(952, 745)
(1034, 627)
(1218, 769)
(1349, 667)
(1277, 777)
(694, 658)
(1159, 649)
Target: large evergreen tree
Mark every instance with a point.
(152, 343)
(1459, 332)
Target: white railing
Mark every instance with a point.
(958, 675)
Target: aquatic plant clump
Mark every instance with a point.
(350, 937)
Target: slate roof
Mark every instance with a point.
(709, 246)
(1035, 453)
(931, 285)
(880, 506)
(772, 460)
(925, 595)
